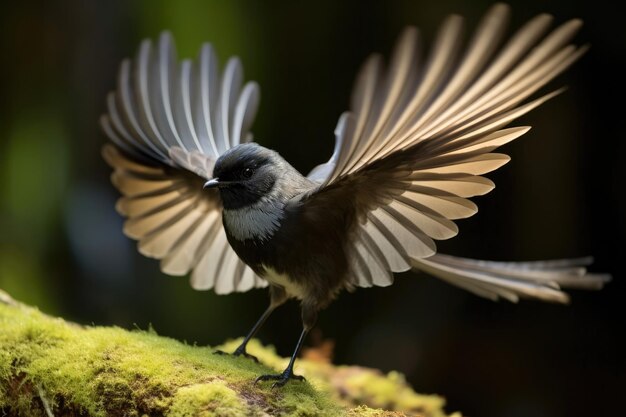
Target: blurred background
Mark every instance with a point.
(563, 195)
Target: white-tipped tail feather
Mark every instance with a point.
(514, 280)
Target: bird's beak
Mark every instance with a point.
(213, 183)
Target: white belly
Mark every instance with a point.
(292, 289)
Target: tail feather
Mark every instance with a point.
(542, 280)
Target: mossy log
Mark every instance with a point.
(51, 367)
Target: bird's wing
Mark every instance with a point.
(420, 134)
(169, 122)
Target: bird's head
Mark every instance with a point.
(245, 174)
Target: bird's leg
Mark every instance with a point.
(277, 297)
(282, 378)
(241, 349)
(309, 317)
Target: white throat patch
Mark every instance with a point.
(259, 221)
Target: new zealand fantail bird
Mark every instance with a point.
(203, 198)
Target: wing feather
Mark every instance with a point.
(169, 122)
(396, 85)
(161, 78)
(117, 125)
(479, 51)
(206, 86)
(231, 84)
(405, 235)
(245, 112)
(127, 99)
(133, 186)
(138, 207)
(204, 274)
(247, 279)
(144, 226)
(362, 102)
(418, 137)
(180, 259)
(444, 204)
(397, 260)
(107, 128)
(142, 91)
(380, 274)
(158, 245)
(457, 184)
(225, 277)
(183, 108)
(463, 164)
(426, 219)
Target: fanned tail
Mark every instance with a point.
(542, 280)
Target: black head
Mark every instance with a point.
(244, 174)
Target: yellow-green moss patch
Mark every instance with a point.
(207, 400)
(108, 371)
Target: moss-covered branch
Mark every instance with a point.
(51, 367)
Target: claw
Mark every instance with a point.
(242, 352)
(237, 352)
(267, 378)
(281, 379)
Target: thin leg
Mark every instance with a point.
(309, 316)
(282, 378)
(278, 297)
(241, 350)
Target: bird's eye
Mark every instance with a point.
(247, 172)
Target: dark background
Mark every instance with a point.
(61, 245)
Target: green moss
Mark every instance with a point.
(108, 371)
(391, 391)
(363, 411)
(207, 400)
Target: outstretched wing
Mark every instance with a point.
(419, 135)
(169, 123)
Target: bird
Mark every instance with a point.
(206, 200)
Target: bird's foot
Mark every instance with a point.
(281, 379)
(240, 351)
